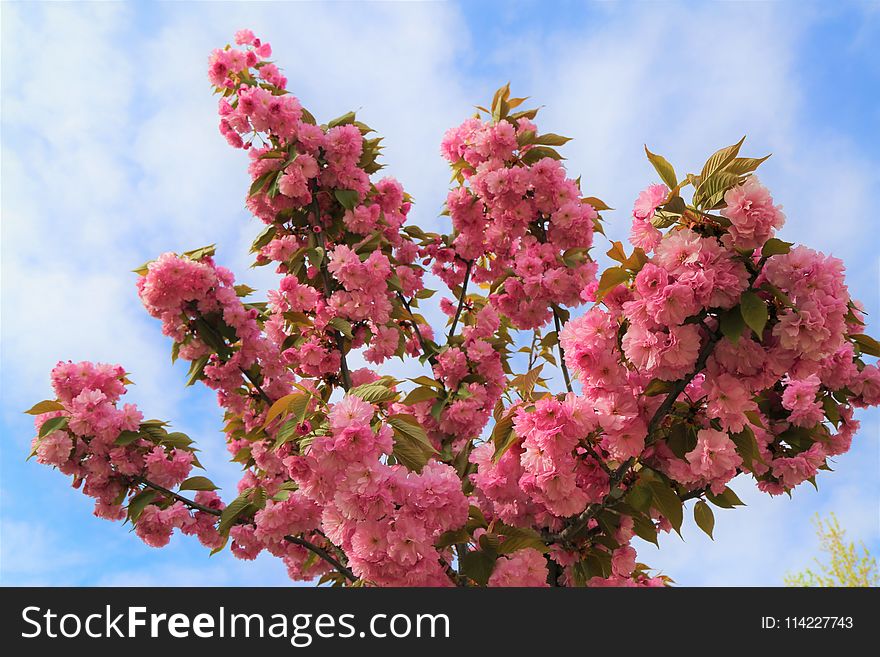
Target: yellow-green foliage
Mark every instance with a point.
(847, 566)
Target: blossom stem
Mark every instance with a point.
(247, 374)
(461, 298)
(180, 498)
(259, 389)
(562, 364)
(325, 279)
(296, 540)
(323, 554)
(623, 469)
(425, 348)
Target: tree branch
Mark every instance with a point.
(323, 554)
(617, 476)
(256, 385)
(325, 279)
(562, 364)
(461, 298)
(425, 349)
(296, 540)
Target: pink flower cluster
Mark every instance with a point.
(515, 220)
(303, 174)
(87, 447)
(547, 474)
(663, 320)
(473, 371)
(384, 517)
(200, 310)
(753, 217)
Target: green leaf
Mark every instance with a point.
(45, 406)
(478, 565)
(537, 153)
(343, 326)
(296, 402)
(153, 423)
(499, 103)
(265, 236)
(775, 246)
(675, 206)
(411, 445)
(550, 139)
(420, 394)
(139, 502)
(704, 517)
(726, 500)
(645, 529)
(668, 503)
(663, 168)
(231, 513)
(639, 497)
(712, 189)
(143, 269)
(867, 344)
(426, 381)
(286, 432)
(374, 393)
(525, 138)
(754, 312)
(53, 424)
(747, 447)
(755, 418)
(177, 439)
(261, 182)
(345, 119)
(201, 252)
(743, 165)
(452, 537)
(832, 412)
(682, 439)
(198, 483)
(127, 438)
(514, 543)
(732, 324)
(596, 203)
(611, 278)
(657, 387)
(503, 436)
(315, 256)
(720, 159)
(196, 370)
(348, 198)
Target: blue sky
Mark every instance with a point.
(110, 156)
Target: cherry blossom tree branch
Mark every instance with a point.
(296, 540)
(623, 469)
(562, 365)
(266, 398)
(425, 348)
(217, 336)
(170, 493)
(461, 298)
(325, 280)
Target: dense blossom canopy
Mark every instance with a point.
(713, 350)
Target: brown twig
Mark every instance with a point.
(325, 279)
(562, 364)
(461, 298)
(623, 469)
(296, 540)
